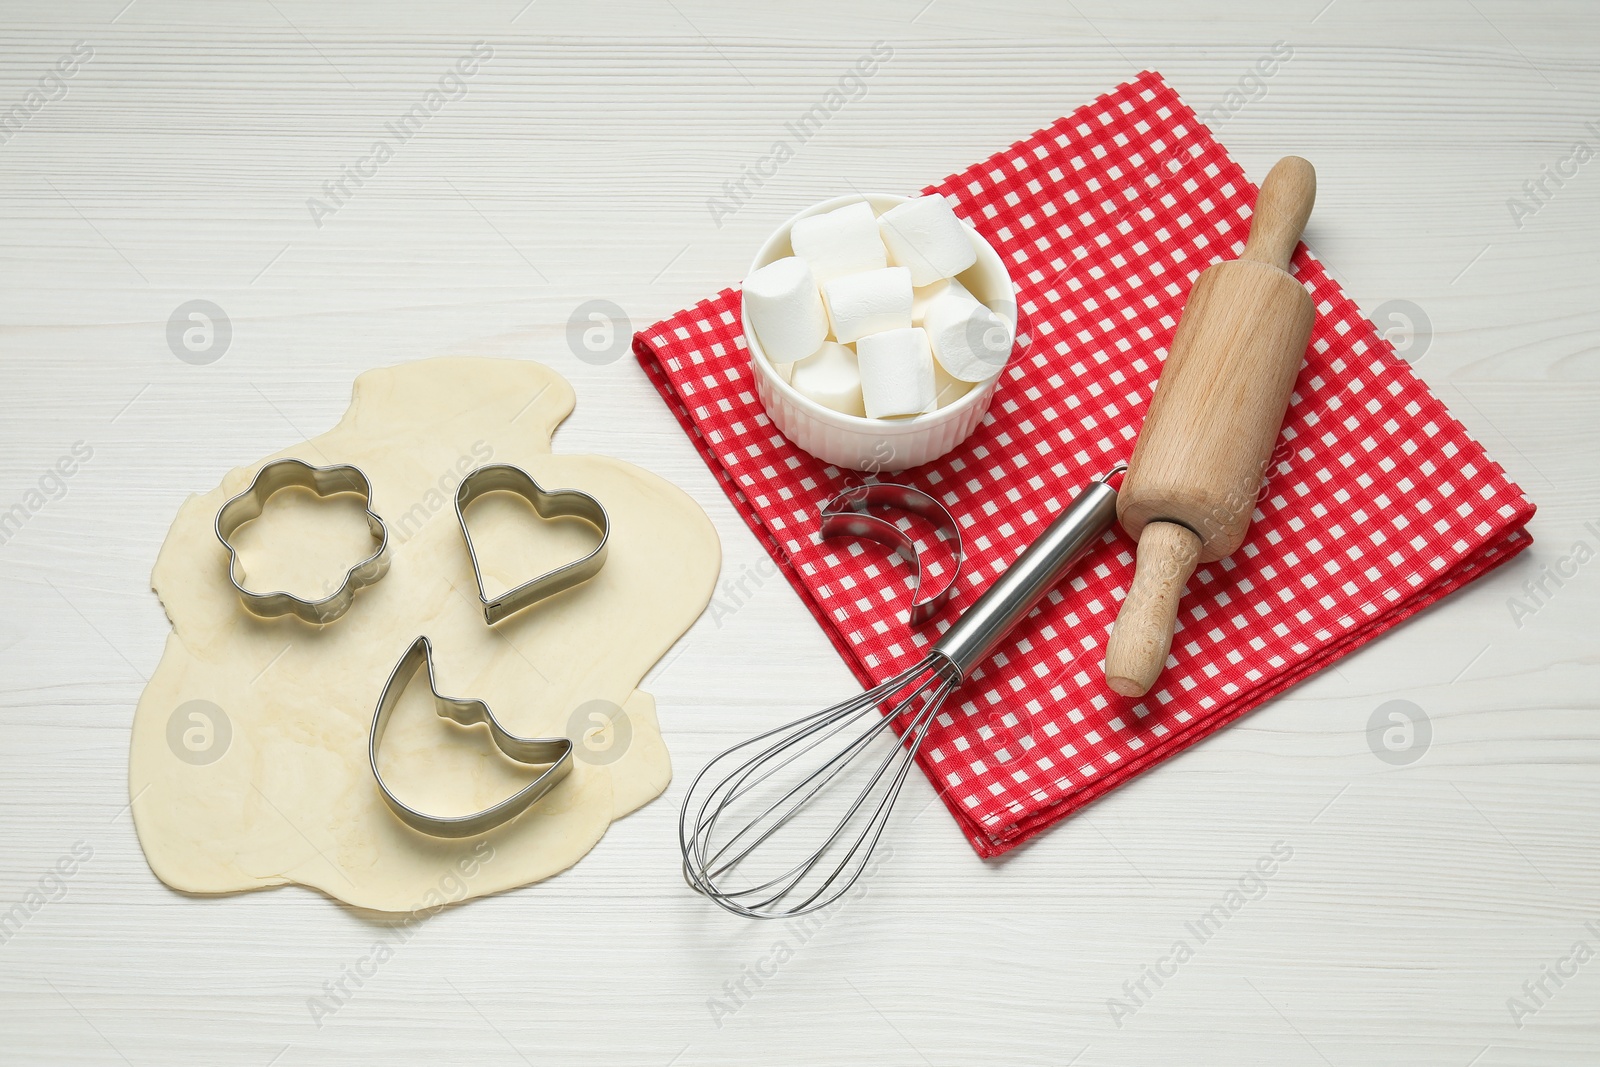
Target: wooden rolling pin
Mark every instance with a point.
(1202, 454)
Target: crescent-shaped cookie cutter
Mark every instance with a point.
(548, 504)
(555, 751)
(850, 513)
(323, 481)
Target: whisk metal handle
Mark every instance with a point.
(1014, 593)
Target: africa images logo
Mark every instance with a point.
(451, 85)
(850, 87)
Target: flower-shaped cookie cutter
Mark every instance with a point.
(547, 504)
(851, 513)
(323, 481)
(555, 751)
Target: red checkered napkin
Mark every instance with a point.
(1378, 502)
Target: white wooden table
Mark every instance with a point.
(177, 166)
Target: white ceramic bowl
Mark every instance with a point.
(877, 444)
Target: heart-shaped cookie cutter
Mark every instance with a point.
(555, 751)
(849, 513)
(548, 504)
(323, 481)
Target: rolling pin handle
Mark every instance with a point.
(1281, 212)
(1142, 636)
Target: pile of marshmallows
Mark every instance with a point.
(885, 284)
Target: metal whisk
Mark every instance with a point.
(816, 794)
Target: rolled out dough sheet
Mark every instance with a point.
(248, 764)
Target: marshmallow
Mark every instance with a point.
(869, 302)
(970, 342)
(831, 377)
(946, 390)
(925, 236)
(923, 296)
(842, 241)
(786, 309)
(896, 372)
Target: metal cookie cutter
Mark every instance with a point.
(552, 504)
(849, 513)
(323, 481)
(555, 751)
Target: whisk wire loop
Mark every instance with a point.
(779, 785)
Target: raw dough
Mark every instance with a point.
(290, 798)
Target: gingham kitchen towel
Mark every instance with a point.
(1377, 502)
